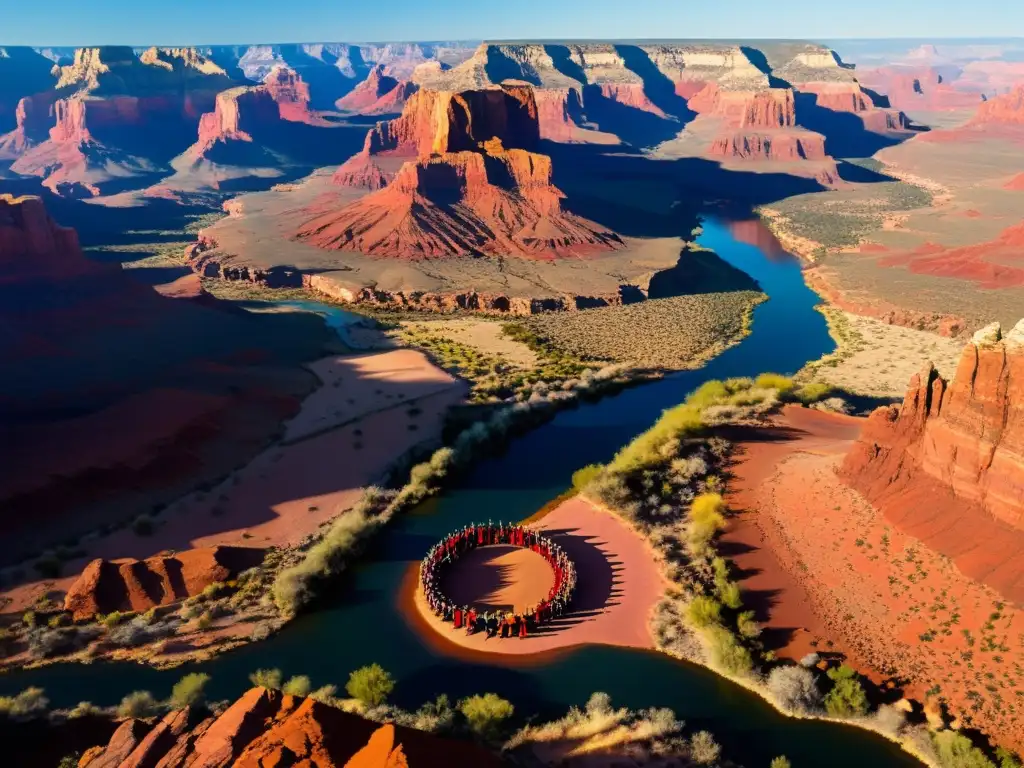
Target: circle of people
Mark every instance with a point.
(497, 623)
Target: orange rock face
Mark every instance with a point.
(266, 728)
(779, 145)
(138, 585)
(290, 94)
(33, 246)
(965, 438)
(465, 194)
(379, 94)
(1007, 109)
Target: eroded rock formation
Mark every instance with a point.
(474, 188)
(379, 94)
(266, 728)
(138, 585)
(1007, 109)
(957, 443)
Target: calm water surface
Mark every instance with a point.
(364, 626)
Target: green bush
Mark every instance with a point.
(781, 762)
(371, 685)
(709, 393)
(485, 714)
(1006, 758)
(704, 612)
(139, 705)
(847, 697)
(813, 392)
(729, 594)
(955, 750)
(28, 703)
(777, 381)
(299, 685)
(266, 678)
(583, 477)
(189, 691)
(680, 421)
(747, 626)
(707, 519)
(726, 652)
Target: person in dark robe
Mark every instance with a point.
(492, 624)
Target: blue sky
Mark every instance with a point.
(201, 22)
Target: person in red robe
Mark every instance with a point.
(522, 627)
(471, 621)
(458, 618)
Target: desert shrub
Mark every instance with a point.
(435, 716)
(813, 392)
(85, 709)
(299, 685)
(583, 477)
(29, 619)
(890, 719)
(709, 393)
(371, 685)
(1006, 758)
(189, 691)
(781, 762)
(955, 750)
(704, 750)
(112, 619)
(747, 626)
(726, 652)
(205, 620)
(324, 694)
(847, 697)
(485, 714)
(30, 702)
(139, 705)
(266, 678)
(137, 632)
(260, 632)
(783, 384)
(707, 519)
(70, 761)
(795, 689)
(682, 420)
(704, 611)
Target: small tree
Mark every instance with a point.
(956, 751)
(847, 697)
(189, 691)
(298, 686)
(486, 713)
(371, 685)
(781, 762)
(794, 688)
(704, 611)
(266, 678)
(704, 750)
(139, 705)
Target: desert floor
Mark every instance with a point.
(620, 583)
(828, 573)
(370, 410)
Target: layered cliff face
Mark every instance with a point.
(959, 443)
(33, 126)
(290, 93)
(498, 202)
(264, 728)
(33, 246)
(921, 88)
(379, 94)
(138, 585)
(475, 188)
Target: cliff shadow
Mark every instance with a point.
(636, 127)
(327, 83)
(759, 60)
(23, 72)
(699, 271)
(562, 59)
(657, 87)
(845, 133)
(500, 67)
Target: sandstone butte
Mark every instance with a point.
(917, 88)
(464, 193)
(56, 137)
(241, 112)
(1007, 109)
(952, 446)
(138, 585)
(378, 94)
(33, 247)
(267, 728)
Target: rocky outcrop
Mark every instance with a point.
(267, 728)
(498, 202)
(1007, 109)
(138, 585)
(33, 116)
(287, 89)
(962, 440)
(33, 246)
(778, 145)
(379, 94)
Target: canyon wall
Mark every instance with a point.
(962, 439)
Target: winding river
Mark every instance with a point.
(365, 626)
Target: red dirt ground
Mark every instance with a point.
(620, 583)
(820, 558)
(502, 578)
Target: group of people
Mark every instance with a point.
(497, 623)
